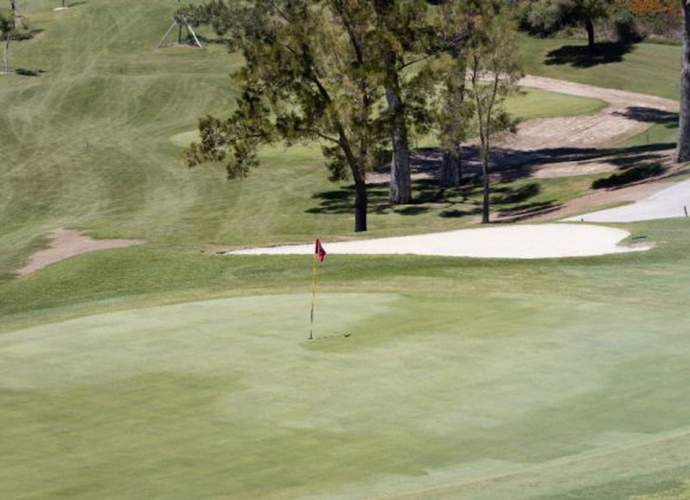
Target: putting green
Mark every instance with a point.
(428, 396)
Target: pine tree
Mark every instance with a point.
(305, 79)
(493, 75)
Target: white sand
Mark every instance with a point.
(511, 242)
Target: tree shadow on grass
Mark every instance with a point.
(508, 164)
(579, 56)
(20, 36)
(215, 40)
(630, 175)
(29, 72)
(342, 200)
(528, 211)
(509, 195)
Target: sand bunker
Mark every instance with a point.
(509, 242)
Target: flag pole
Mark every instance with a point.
(313, 295)
(319, 254)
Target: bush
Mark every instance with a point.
(626, 29)
(540, 17)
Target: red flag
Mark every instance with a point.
(319, 251)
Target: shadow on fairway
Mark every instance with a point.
(509, 194)
(579, 56)
(630, 174)
(528, 211)
(29, 72)
(425, 191)
(512, 164)
(635, 164)
(26, 35)
(214, 41)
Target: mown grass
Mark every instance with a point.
(87, 144)
(625, 67)
(452, 377)
(163, 371)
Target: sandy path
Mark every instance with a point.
(628, 114)
(576, 145)
(674, 201)
(66, 243)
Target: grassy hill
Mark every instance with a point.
(162, 372)
(87, 142)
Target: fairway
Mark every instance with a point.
(228, 399)
(172, 371)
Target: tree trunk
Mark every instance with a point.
(485, 175)
(361, 205)
(5, 54)
(683, 146)
(451, 169)
(401, 180)
(400, 183)
(589, 26)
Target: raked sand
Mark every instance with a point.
(509, 242)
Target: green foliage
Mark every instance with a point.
(494, 70)
(7, 23)
(241, 135)
(540, 17)
(546, 17)
(307, 78)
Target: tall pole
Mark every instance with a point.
(313, 295)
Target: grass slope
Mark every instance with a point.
(163, 372)
(458, 378)
(92, 142)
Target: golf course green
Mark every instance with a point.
(166, 371)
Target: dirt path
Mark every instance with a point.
(66, 243)
(568, 146)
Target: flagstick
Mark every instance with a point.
(313, 295)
